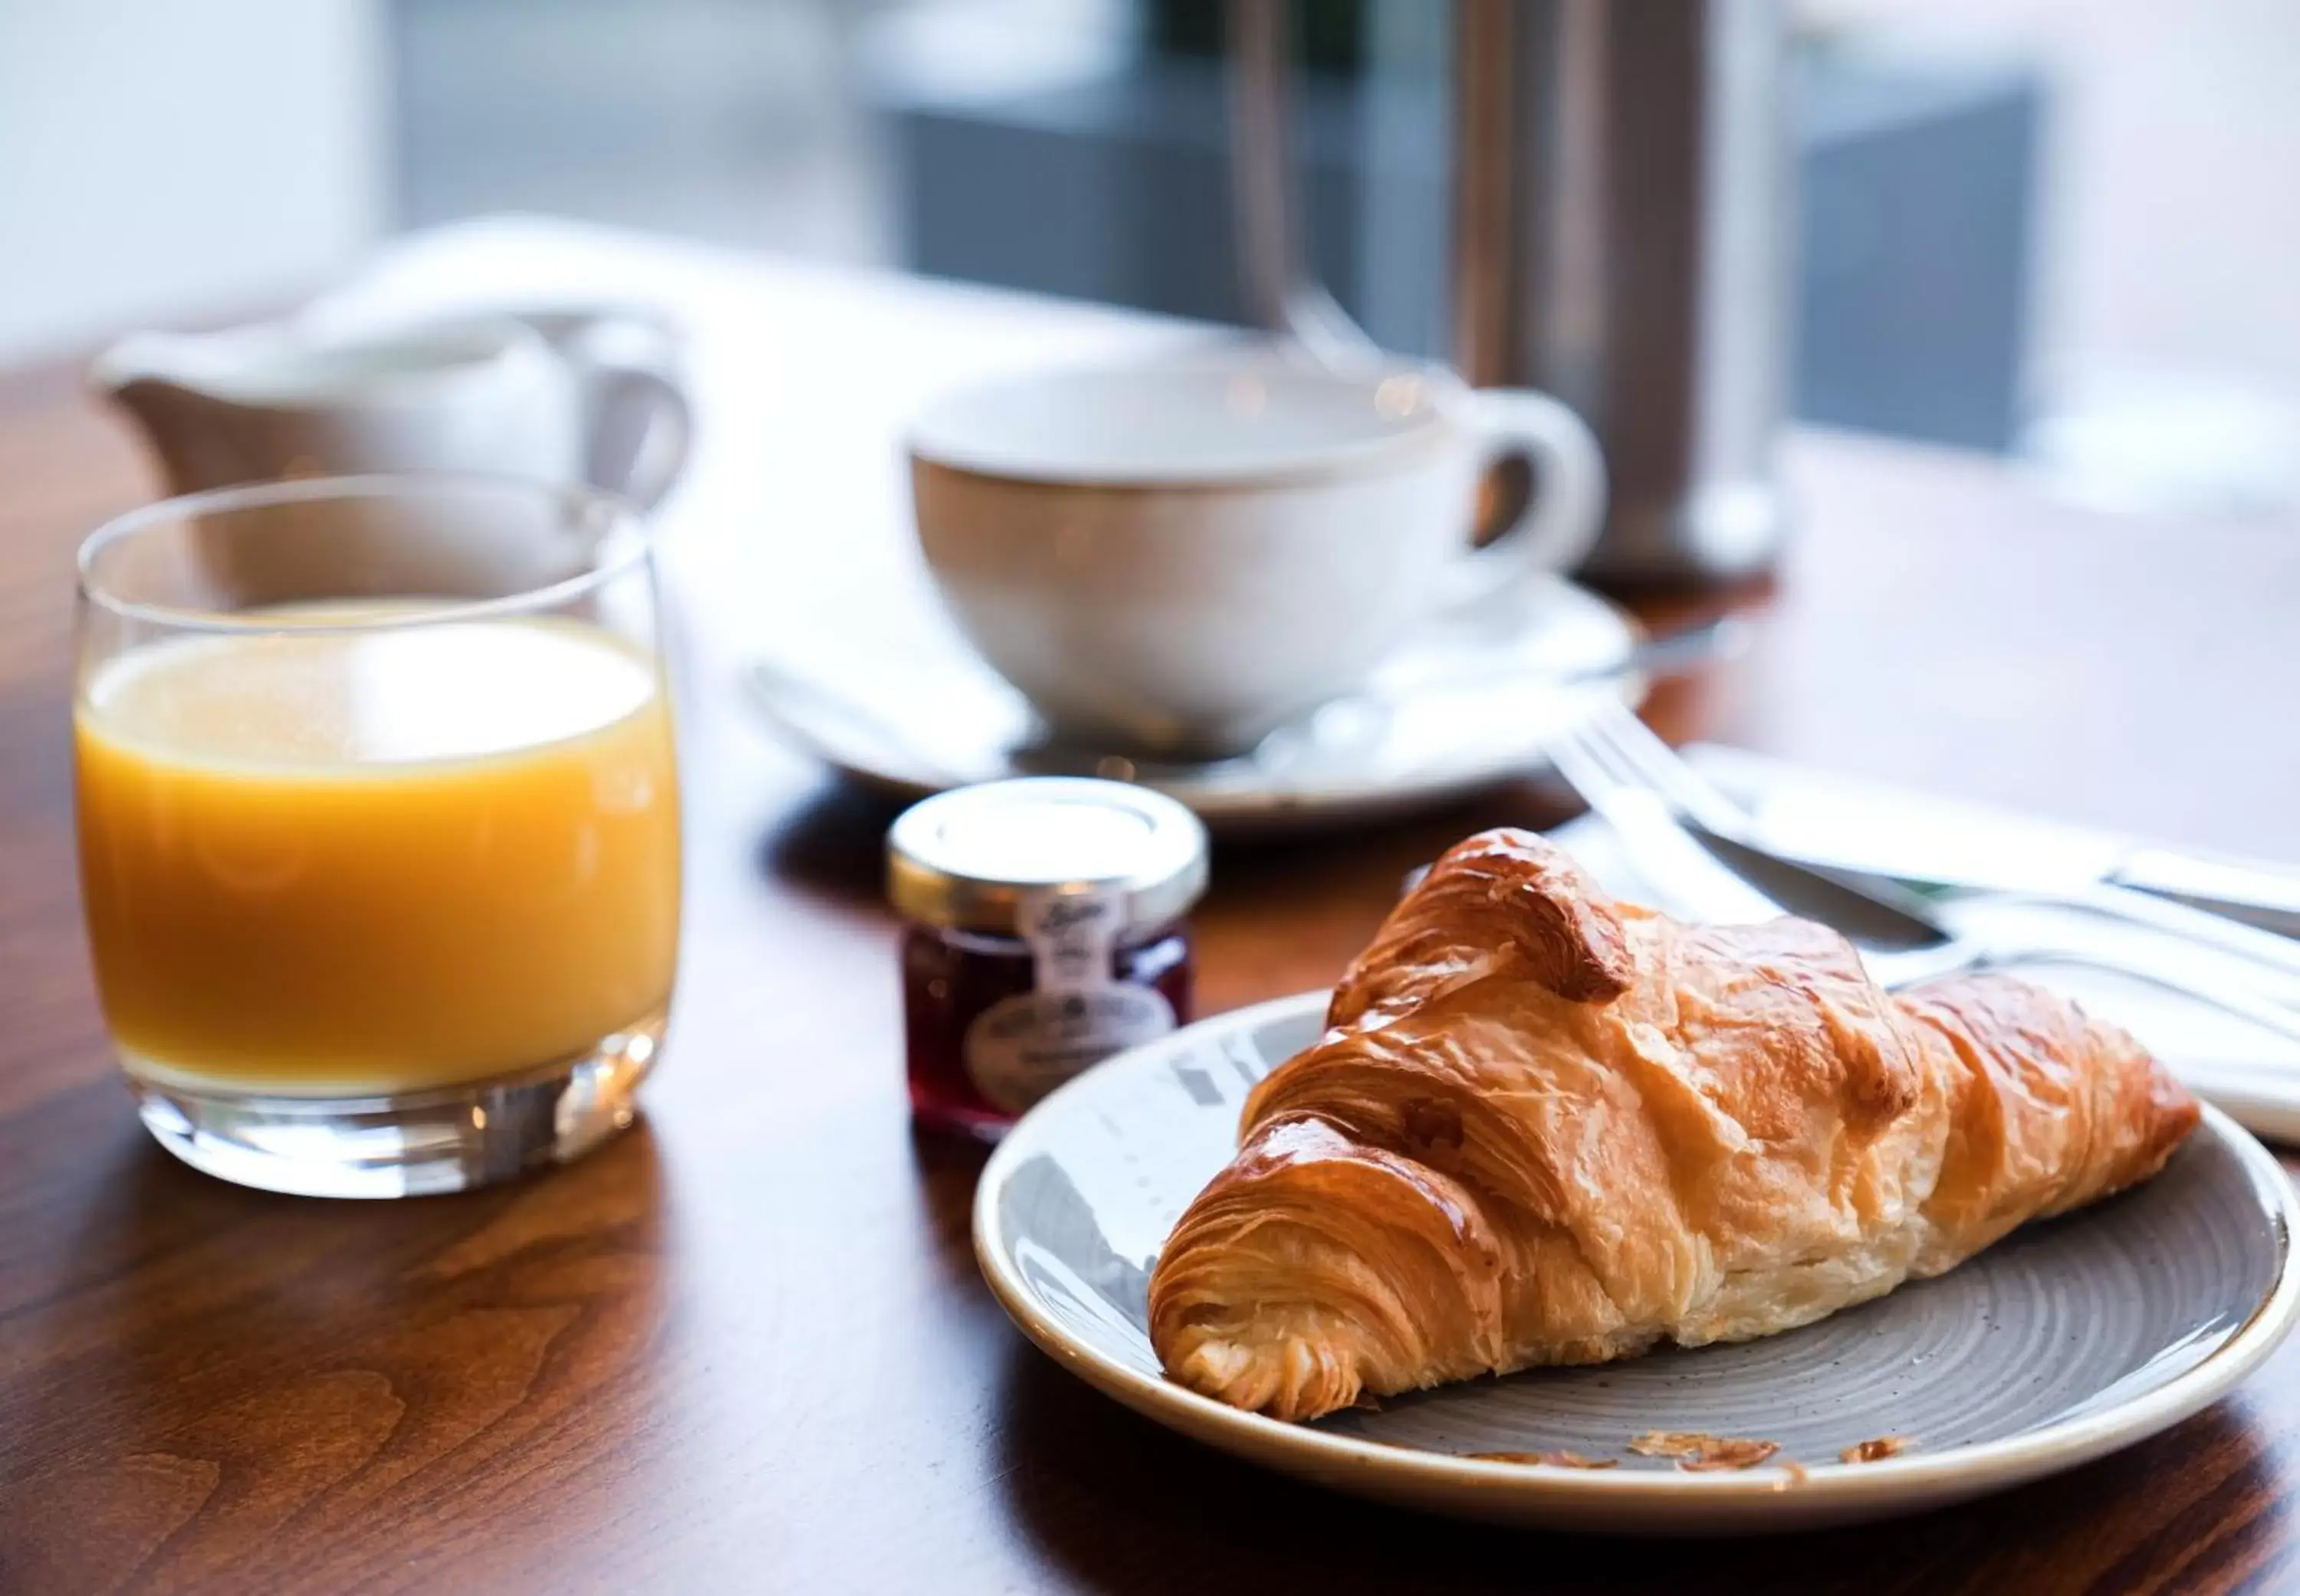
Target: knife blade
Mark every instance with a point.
(1926, 841)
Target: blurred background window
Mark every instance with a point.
(2061, 229)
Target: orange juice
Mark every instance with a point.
(339, 863)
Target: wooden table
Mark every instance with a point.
(746, 1348)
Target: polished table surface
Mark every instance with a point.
(746, 1347)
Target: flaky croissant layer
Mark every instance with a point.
(1544, 1127)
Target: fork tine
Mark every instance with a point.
(1655, 764)
(1636, 738)
(1679, 874)
(1586, 769)
(1605, 729)
(1593, 765)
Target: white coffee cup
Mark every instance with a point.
(1178, 552)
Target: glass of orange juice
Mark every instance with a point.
(379, 825)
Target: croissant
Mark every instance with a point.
(1545, 1127)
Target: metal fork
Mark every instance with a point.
(1702, 873)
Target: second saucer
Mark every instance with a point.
(896, 701)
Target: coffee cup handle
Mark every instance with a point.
(1566, 510)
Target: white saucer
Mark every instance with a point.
(904, 706)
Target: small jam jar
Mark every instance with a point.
(1045, 934)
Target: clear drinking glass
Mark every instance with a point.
(379, 825)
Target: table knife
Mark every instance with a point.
(1945, 843)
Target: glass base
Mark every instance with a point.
(446, 1139)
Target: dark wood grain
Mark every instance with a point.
(746, 1347)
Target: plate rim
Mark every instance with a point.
(1832, 1488)
(1244, 808)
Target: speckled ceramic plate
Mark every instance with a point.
(2068, 1339)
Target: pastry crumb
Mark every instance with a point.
(1552, 1459)
(1795, 1472)
(1668, 1443)
(1729, 1454)
(1698, 1453)
(1877, 1451)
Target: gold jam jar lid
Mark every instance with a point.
(968, 858)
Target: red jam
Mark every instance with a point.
(952, 979)
(1046, 935)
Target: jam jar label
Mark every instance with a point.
(1022, 1047)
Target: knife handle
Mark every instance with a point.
(2253, 891)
